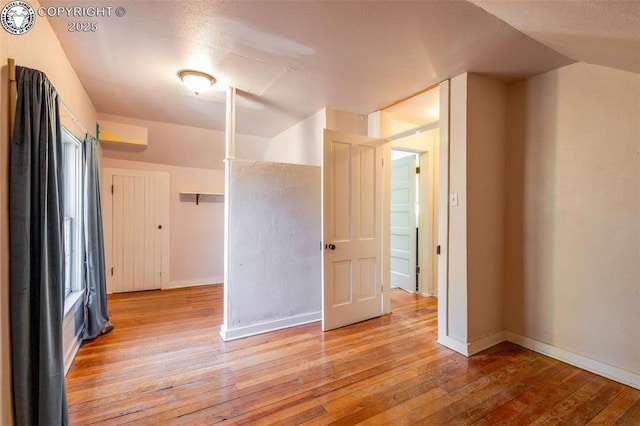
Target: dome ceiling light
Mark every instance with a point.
(196, 81)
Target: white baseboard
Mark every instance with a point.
(193, 283)
(456, 345)
(614, 373)
(472, 348)
(486, 342)
(265, 327)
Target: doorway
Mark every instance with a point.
(419, 250)
(428, 110)
(412, 129)
(404, 220)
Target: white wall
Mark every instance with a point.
(573, 224)
(196, 231)
(39, 49)
(274, 231)
(184, 146)
(302, 143)
(419, 142)
(194, 159)
(274, 277)
(457, 290)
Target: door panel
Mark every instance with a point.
(135, 240)
(366, 193)
(341, 168)
(342, 283)
(367, 278)
(352, 222)
(403, 223)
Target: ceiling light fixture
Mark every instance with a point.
(196, 81)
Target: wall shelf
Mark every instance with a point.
(199, 194)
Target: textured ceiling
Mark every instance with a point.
(598, 32)
(288, 59)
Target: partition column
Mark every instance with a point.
(230, 146)
(230, 128)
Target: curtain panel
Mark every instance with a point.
(36, 254)
(96, 317)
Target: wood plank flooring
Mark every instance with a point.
(165, 363)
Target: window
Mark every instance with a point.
(72, 199)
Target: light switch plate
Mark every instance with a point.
(453, 199)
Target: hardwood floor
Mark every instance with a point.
(165, 363)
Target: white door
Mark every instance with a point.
(352, 229)
(137, 225)
(403, 223)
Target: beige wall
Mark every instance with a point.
(39, 49)
(478, 115)
(348, 122)
(573, 224)
(544, 246)
(486, 152)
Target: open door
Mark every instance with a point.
(352, 229)
(403, 223)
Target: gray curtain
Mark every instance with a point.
(96, 317)
(36, 254)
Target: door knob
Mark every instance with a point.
(330, 246)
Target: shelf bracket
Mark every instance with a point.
(199, 195)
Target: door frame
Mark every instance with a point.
(427, 257)
(162, 180)
(441, 226)
(412, 235)
(443, 214)
(427, 225)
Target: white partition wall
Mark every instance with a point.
(274, 270)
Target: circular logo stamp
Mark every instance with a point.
(17, 17)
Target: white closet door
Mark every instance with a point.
(136, 257)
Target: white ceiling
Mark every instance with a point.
(288, 59)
